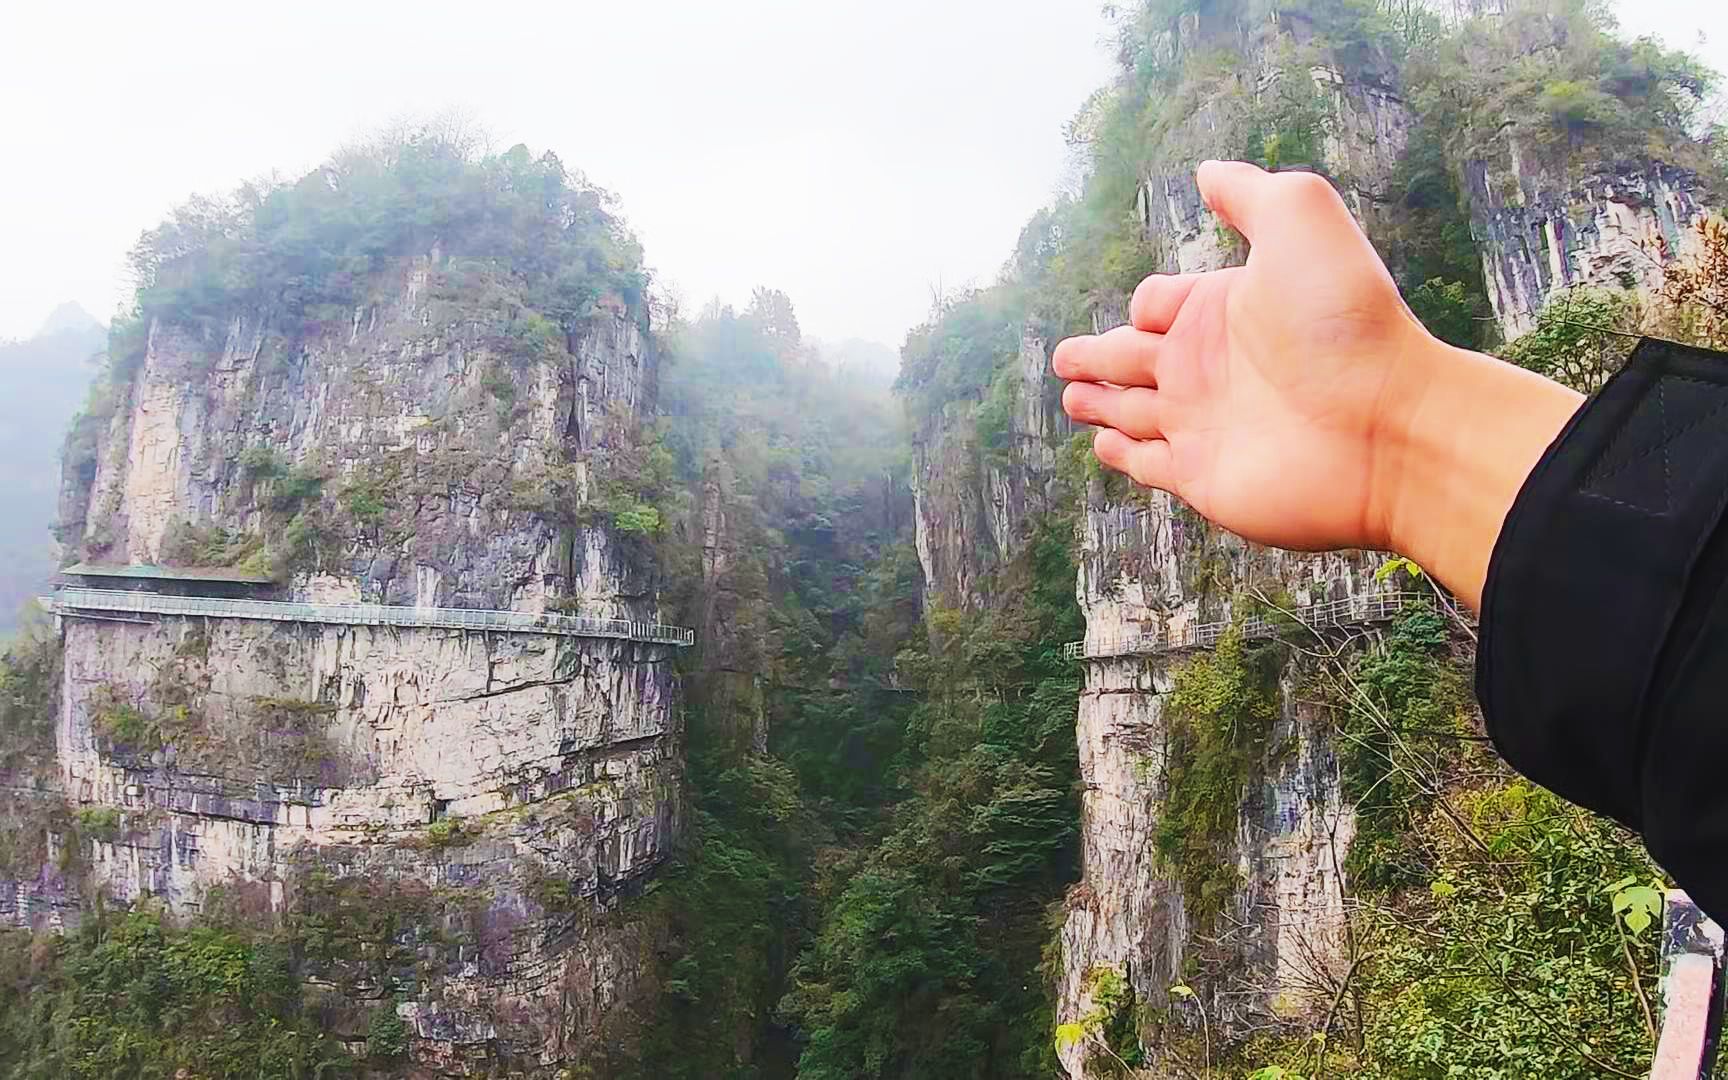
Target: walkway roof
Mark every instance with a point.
(225, 574)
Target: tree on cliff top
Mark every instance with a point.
(304, 250)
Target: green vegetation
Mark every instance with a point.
(121, 724)
(883, 873)
(101, 822)
(386, 1034)
(30, 670)
(1581, 337)
(131, 997)
(1406, 695)
(211, 545)
(1514, 962)
(308, 248)
(522, 256)
(1695, 293)
(922, 963)
(1498, 930)
(813, 593)
(1426, 239)
(1112, 1025)
(1219, 713)
(870, 897)
(447, 832)
(1553, 76)
(956, 355)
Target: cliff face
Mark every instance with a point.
(1540, 232)
(1150, 565)
(492, 797)
(339, 753)
(439, 437)
(973, 505)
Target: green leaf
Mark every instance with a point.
(1068, 1035)
(1639, 906)
(1181, 990)
(1393, 565)
(1442, 889)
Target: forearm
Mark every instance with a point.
(1451, 466)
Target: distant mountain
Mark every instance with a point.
(42, 384)
(70, 317)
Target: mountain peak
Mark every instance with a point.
(69, 317)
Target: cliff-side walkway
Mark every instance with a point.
(110, 603)
(1365, 610)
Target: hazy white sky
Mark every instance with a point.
(851, 152)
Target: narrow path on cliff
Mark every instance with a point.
(78, 602)
(1364, 610)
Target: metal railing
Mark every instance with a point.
(1362, 610)
(1692, 991)
(75, 601)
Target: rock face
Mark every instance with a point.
(733, 644)
(440, 436)
(552, 762)
(1365, 129)
(972, 505)
(1540, 232)
(494, 795)
(1150, 565)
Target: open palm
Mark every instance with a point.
(1256, 394)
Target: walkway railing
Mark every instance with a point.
(1692, 992)
(76, 601)
(1351, 611)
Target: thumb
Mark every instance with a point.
(1236, 191)
(1271, 207)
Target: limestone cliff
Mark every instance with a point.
(1149, 566)
(434, 442)
(1540, 232)
(479, 801)
(973, 502)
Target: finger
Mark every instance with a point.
(1158, 299)
(1125, 356)
(1134, 411)
(1259, 204)
(1146, 461)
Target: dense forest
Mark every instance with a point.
(883, 779)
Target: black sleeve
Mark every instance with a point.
(1603, 663)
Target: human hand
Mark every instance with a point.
(1296, 400)
(1257, 394)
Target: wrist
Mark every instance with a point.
(1455, 453)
